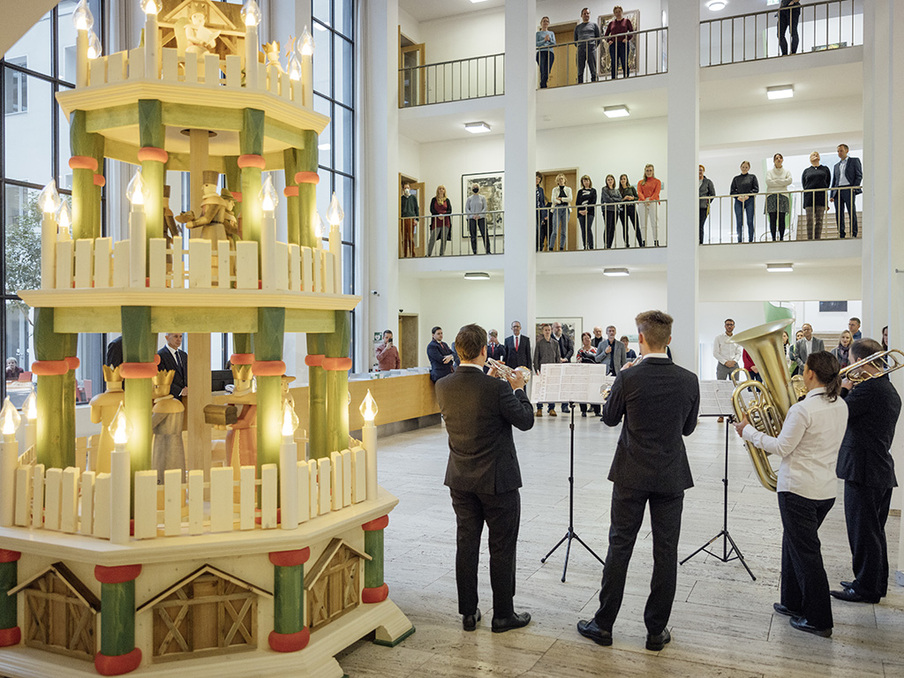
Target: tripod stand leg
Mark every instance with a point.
(567, 553)
(740, 555)
(552, 550)
(590, 550)
(700, 549)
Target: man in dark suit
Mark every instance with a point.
(658, 402)
(172, 357)
(806, 345)
(495, 350)
(868, 470)
(517, 348)
(483, 475)
(847, 176)
(441, 357)
(566, 349)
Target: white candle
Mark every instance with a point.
(138, 243)
(120, 480)
(307, 68)
(64, 224)
(369, 411)
(30, 408)
(288, 470)
(9, 458)
(268, 235)
(49, 202)
(83, 22)
(151, 67)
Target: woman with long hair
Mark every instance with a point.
(586, 354)
(585, 201)
(441, 223)
(609, 198)
(561, 199)
(648, 190)
(842, 351)
(629, 210)
(778, 202)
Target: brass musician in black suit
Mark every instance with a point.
(483, 475)
(172, 357)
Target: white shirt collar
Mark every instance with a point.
(474, 365)
(656, 355)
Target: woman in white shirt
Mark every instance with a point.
(808, 445)
(561, 199)
(778, 203)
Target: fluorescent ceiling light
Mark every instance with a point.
(780, 268)
(323, 147)
(477, 275)
(615, 272)
(620, 111)
(477, 2)
(477, 127)
(716, 5)
(780, 92)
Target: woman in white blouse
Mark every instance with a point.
(808, 445)
(778, 203)
(561, 199)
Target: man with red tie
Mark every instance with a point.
(517, 348)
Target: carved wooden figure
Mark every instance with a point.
(166, 423)
(241, 439)
(103, 409)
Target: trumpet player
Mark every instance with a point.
(868, 470)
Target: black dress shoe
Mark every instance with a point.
(657, 641)
(589, 629)
(846, 584)
(516, 621)
(469, 621)
(801, 624)
(851, 596)
(781, 609)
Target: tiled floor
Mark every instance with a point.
(722, 623)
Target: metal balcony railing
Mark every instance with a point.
(456, 80)
(451, 235)
(619, 225)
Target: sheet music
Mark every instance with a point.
(571, 383)
(715, 397)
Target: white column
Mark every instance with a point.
(682, 190)
(520, 101)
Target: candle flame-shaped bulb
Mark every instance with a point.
(137, 191)
(318, 226)
(269, 197)
(294, 67)
(82, 18)
(335, 214)
(95, 49)
(30, 407)
(306, 43)
(290, 420)
(49, 198)
(369, 407)
(64, 218)
(9, 418)
(150, 6)
(251, 13)
(119, 427)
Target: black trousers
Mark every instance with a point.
(777, 221)
(473, 225)
(626, 516)
(586, 54)
(502, 515)
(865, 512)
(628, 213)
(845, 198)
(618, 51)
(545, 58)
(704, 212)
(790, 16)
(805, 586)
(586, 223)
(609, 217)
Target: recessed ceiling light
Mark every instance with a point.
(479, 127)
(716, 5)
(615, 272)
(780, 92)
(477, 275)
(780, 268)
(477, 2)
(620, 111)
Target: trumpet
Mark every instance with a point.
(505, 372)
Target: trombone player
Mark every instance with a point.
(867, 468)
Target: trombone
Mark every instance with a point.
(887, 362)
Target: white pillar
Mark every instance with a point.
(683, 216)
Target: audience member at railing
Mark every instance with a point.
(628, 212)
(842, 351)
(542, 216)
(610, 197)
(619, 46)
(410, 212)
(648, 191)
(587, 35)
(586, 203)
(854, 327)
(476, 209)
(814, 178)
(707, 193)
(561, 199)
(744, 187)
(629, 352)
(13, 370)
(847, 177)
(441, 223)
(778, 203)
(545, 57)
(788, 16)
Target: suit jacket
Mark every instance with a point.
(854, 173)
(521, 357)
(566, 346)
(800, 351)
(618, 356)
(496, 354)
(114, 352)
(436, 350)
(479, 412)
(167, 362)
(659, 402)
(865, 454)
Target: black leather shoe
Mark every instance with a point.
(469, 621)
(781, 609)
(657, 641)
(589, 629)
(850, 595)
(846, 584)
(516, 621)
(801, 624)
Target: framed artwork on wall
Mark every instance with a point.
(571, 327)
(491, 186)
(605, 65)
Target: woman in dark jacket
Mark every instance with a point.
(440, 226)
(610, 196)
(586, 204)
(744, 188)
(815, 178)
(629, 209)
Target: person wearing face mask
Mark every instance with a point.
(778, 203)
(409, 211)
(744, 188)
(476, 209)
(707, 193)
(815, 179)
(561, 199)
(546, 40)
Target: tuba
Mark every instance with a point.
(765, 404)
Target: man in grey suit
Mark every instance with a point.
(847, 176)
(807, 345)
(658, 402)
(611, 352)
(483, 475)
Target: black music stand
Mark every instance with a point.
(724, 534)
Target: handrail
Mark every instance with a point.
(822, 25)
(441, 82)
(614, 225)
(427, 241)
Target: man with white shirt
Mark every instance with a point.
(806, 345)
(727, 353)
(172, 357)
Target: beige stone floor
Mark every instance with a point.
(722, 623)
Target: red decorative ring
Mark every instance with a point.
(268, 368)
(10, 637)
(289, 642)
(118, 574)
(49, 368)
(242, 359)
(376, 524)
(290, 558)
(290, 191)
(315, 360)
(375, 595)
(117, 665)
(73, 362)
(152, 153)
(83, 162)
(138, 370)
(237, 196)
(337, 364)
(100, 180)
(157, 359)
(307, 178)
(8, 556)
(252, 160)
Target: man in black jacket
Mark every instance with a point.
(517, 348)
(868, 470)
(483, 475)
(172, 357)
(658, 402)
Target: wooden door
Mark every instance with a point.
(408, 339)
(564, 70)
(412, 77)
(549, 183)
